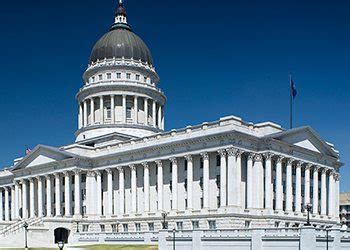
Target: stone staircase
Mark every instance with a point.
(18, 226)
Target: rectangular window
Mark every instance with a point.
(119, 75)
(83, 178)
(138, 227)
(145, 79)
(102, 227)
(277, 223)
(218, 201)
(201, 163)
(171, 167)
(84, 210)
(185, 184)
(100, 77)
(218, 181)
(179, 225)
(151, 226)
(137, 77)
(85, 228)
(128, 76)
(171, 185)
(93, 79)
(125, 228)
(186, 204)
(201, 182)
(247, 224)
(218, 160)
(212, 224)
(185, 165)
(202, 204)
(195, 224)
(109, 75)
(83, 194)
(114, 228)
(73, 195)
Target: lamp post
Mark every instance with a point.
(308, 208)
(60, 245)
(25, 225)
(174, 231)
(164, 215)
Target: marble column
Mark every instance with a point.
(7, 205)
(17, 203)
(237, 178)
(80, 121)
(109, 192)
(289, 186)
(67, 196)
(1, 205)
(205, 157)
(268, 181)
(101, 110)
(133, 189)
(58, 194)
(154, 113)
(223, 176)
(249, 181)
(279, 187)
(145, 104)
(124, 108)
(231, 162)
(146, 185)
(189, 161)
(315, 191)
(85, 114)
(121, 190)
(336, 192)
(77, 198)
(92, 111)
(298, 187)
(258, 170)
(48, 196)
(99, 192)
(307, 184)
(40, 196)
(112, 110)
(331, 196)
(136, 110)
(160, 117)
(174, 181)
(323, 192)
(12, 202)
(31, 198)
(91, 193)
(160, 184)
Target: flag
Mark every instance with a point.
(28, 151)
(293, 90)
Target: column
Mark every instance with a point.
(133, 189)
(91, 193)
(40, 196)
(121, 190)
(124, 108)
(331, 197)
(17, 194)
(154, 113)
(289, 186)
(315, 191)
(80, 122)
(223, 186)
(48, 196)
(174, 181)
(109, 192)
(146, 110)
(160, 116)
(1, 207)
(298, 187)
(101, 110)
(92, 111)
(12, 203)
(136, 111)
(336, 192)
(237, 177)
(249, 181)
(205, 157)
(307, 184)
(323, 191)
(231, 161)
(146, 185)
(189, 161)
(279, 188)
(258, 180)
(77, 198)
(67, 191)
(268, 181)
(99, 192)
(31, 198)
(112, 110)
(58, 194)
(85, 114)
(7, 204)
(160, 184)
(20, 216)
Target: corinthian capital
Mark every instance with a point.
(188, 158)
(132, 167)
(120, 169)
(173, 160)
(231, 151)
(268, 155)
(205, 155)
(145, 165)
(159, 163)
(90, 173)
(279, 159)
(257, 157)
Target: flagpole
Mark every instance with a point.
(290, 102)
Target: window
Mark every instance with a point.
(102, 227)
(83, 178)
(85, 228)
(129, 106)
(100, 77)
(72, 195)
(114, 228)
(201, 182)
(137, 77)
(93, 79)
(84, 210)
(218, 160)
(185, 184)
(128, 75)
(218, 201)
(145, 79)
(179, 225)
(212, 224)
(138, 227)
(287, 224)
(277, 223)
(201, 163)
(202, 205)
(119, 75)
(109, 75)
(125, 228)
(218, 181)
(151, 226)
(185, 165)
(195, 224)
(186, 204)
(171, 185)
(247, 224)
(83, 194)
(171, 167)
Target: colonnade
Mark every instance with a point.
(245, 182)
(102, 110)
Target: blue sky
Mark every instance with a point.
(215, 58)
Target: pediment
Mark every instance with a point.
(41, 155)
(306, 138)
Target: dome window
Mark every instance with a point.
(100, 77)
(119, 75)
(109, 75)
(145, 79)
(128, 76)
(137, 77)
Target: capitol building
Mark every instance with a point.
(125, 179)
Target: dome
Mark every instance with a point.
(120, 42)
